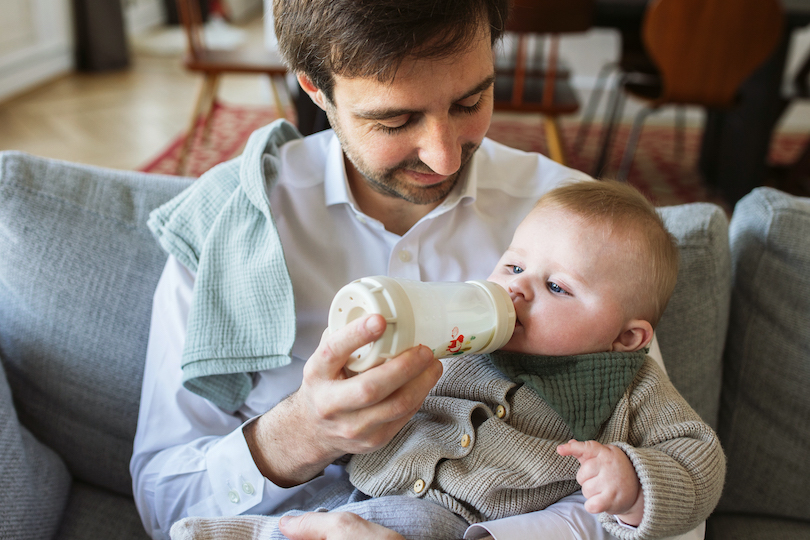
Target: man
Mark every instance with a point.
(406, 185)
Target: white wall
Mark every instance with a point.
(36, 43)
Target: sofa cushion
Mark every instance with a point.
(77, 274)
(97, 513)
(741, 527)
(694, 324)
(765, 405)
(35, 481)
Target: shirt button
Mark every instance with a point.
(405, 255)
(465, 440)
(360, 218)
(233, 496)
(419, 485)
(247, 487)
(500, 411)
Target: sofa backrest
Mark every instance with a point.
(78, 268)
(692, 330)
(765, 406)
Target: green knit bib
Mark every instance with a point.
(582, 389)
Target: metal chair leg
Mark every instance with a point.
(593, 104)
(612, 115)
(632, 142)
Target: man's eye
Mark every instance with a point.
(471, 105)
(516, 269)
(394, 125)
(556, 289)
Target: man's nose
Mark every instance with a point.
(440, 148)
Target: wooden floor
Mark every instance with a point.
(118, 119)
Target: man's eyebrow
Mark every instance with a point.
(384, 114)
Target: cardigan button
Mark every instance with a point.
(465, 441)
(418, 486)
(500, 411)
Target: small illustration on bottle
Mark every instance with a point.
(458, 345)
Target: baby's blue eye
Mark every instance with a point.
(516, 269)
(556, 289)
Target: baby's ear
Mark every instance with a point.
(636, 335)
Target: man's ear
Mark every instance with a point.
(314, 93)
(635, 335)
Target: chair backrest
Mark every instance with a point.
(191, 18)
(705, 49)
(532, 81)
(550, 16)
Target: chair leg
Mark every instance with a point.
(612, 115)
(202, 97)
(554, 139)
(593, 104)
(680, 132)
(277, 98)
(210, 107)
(632, 142)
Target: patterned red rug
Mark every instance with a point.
(657, 169)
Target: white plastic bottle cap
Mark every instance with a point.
(370, 295)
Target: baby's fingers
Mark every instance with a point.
(582, 451)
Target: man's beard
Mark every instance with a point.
(387, 182)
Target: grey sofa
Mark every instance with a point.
(77, 271)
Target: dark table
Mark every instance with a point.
(734, 150)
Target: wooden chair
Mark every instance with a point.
(704, 50)
(538, 83)
(213, 63)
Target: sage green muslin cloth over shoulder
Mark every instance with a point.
(242, 316)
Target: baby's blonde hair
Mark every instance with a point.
(620, 209)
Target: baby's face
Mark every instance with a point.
(564, 280)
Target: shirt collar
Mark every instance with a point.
(336, 183)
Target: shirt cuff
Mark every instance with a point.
(237, 483)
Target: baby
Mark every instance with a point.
(571, 402)
(590, 271)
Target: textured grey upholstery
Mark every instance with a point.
(765, 414)
(698, 310)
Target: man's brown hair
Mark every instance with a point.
(617, 208)
(370, 38)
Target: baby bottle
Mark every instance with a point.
(449, 317)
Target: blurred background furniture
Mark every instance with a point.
(735, 145)
(704, 50)
(213, 63)
(624, 17)
(101, 42)
(529, 75)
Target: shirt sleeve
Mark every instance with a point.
(190, 457)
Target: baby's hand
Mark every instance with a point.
(608, 480)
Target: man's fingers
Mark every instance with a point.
(334, 350)
(414, 369)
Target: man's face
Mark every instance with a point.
(567, 280)
(410, 138)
